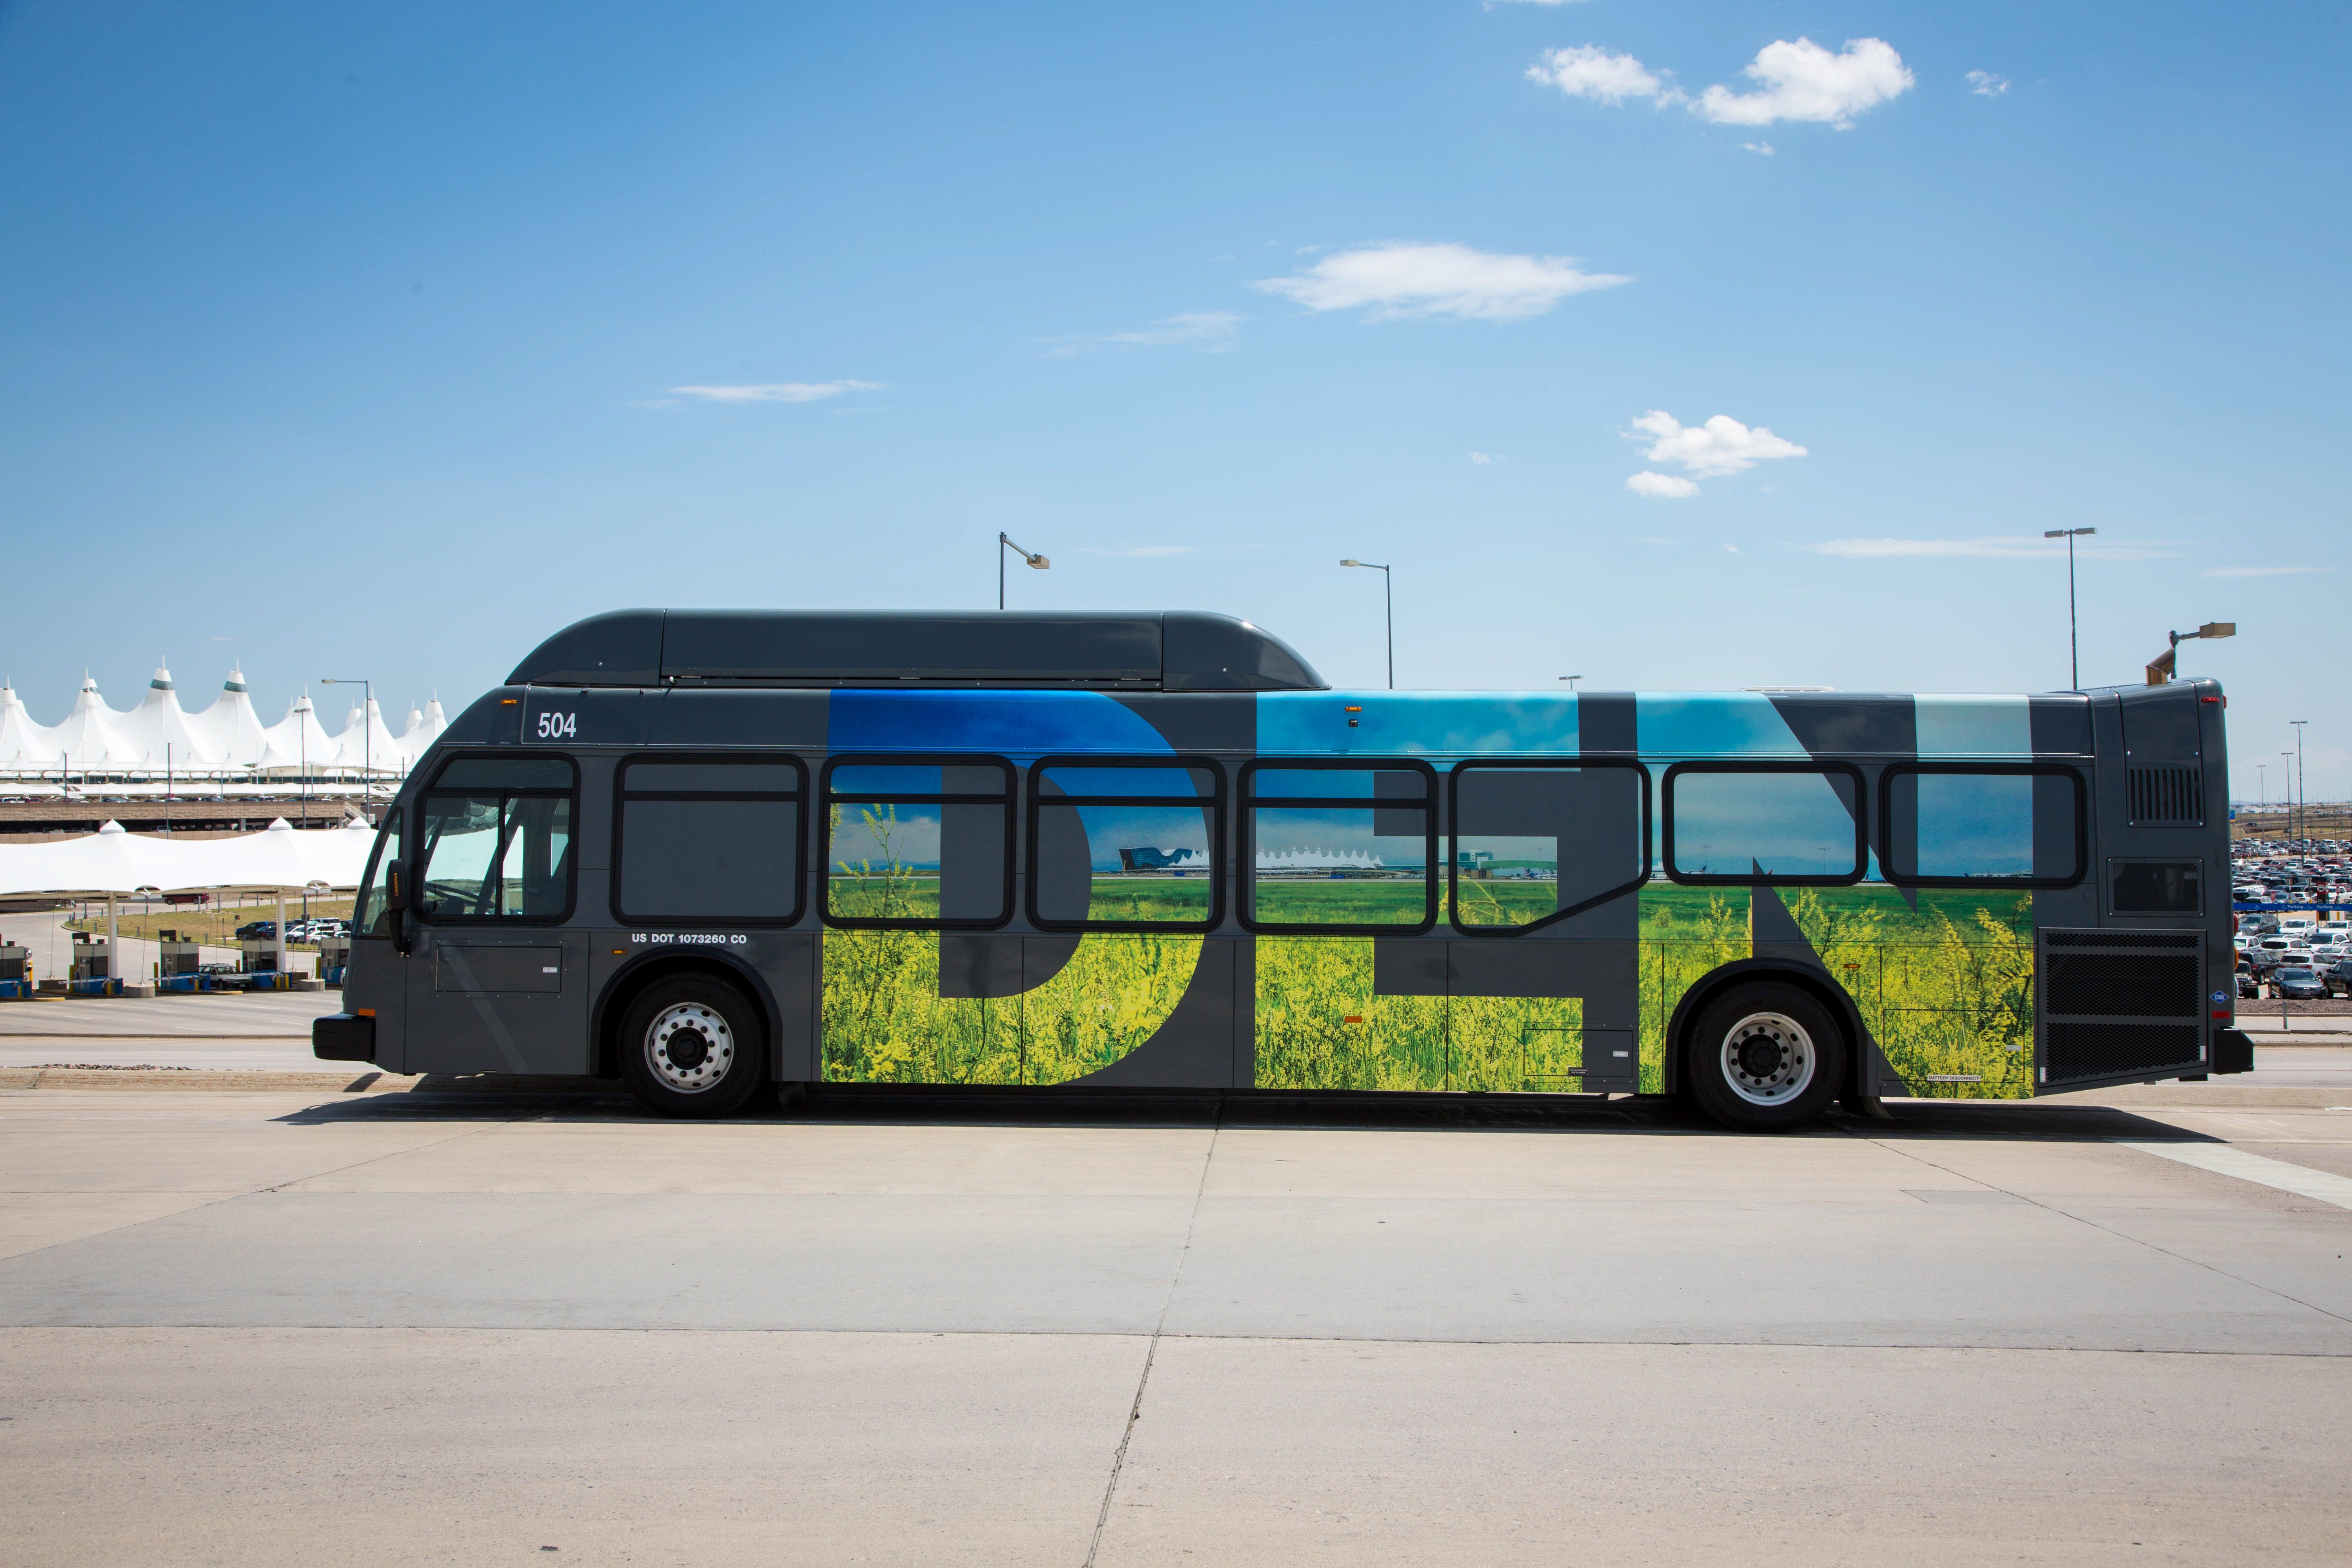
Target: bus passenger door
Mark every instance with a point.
(494, 985)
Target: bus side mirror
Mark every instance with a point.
(396, 891)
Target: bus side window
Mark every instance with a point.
(1982, 825)
(496, 840)
(1340, 849)
(1124, 844)
(1763, 822)
(709, 839)
(1530, 844)
(918, 844)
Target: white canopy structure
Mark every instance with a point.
(297, 744)
(88, 739)
(114, 862)
(24, 745)
(365, 742)
(230, 727)
(225, 742)
(159, 733)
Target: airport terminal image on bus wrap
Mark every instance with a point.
(712, 851)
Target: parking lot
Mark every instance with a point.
(375, 1321)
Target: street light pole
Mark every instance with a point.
(1387, 602)
(2303, 801)
(1572, 680)
(367, 742)
(2074, 646)
(1002, 544)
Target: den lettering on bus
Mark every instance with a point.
(689, 938)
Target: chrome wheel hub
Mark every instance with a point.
(689, 1048)
(1768, 1058)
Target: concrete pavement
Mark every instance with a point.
(424, 1326)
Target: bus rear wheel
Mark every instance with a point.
(1764, 1057)
(693, 1047)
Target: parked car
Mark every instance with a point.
(257, 931)
(2249, 982)
(2298, 983)
(2338, 977)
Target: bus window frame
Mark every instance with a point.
(1885, 837)
(1732, 766)
(826, 800)
(1245, 869)
(421, 856)
(1214, 802)
(391, 830)
(1453, 841)
(623, 795)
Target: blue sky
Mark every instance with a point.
(347, 340)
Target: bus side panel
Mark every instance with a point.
(1943, 980)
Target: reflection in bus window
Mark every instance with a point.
(1124, 846)
(369, 917)
(1758, 825)
(917, 845)
(491, 852)
(1981, 825)
(1324, 855)
(1530, 842)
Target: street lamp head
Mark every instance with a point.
(2218, 629)
(1039, 563)
(2053, 533)
(1351, 563)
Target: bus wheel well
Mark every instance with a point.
(613, 1004)
(1820, 986)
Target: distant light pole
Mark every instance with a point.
(1572, 680)
(1005, 544)
(367, 742)
(2303, 801)
(2074, 646)
(2262, 784)
(2288, 774)
(1388, 599)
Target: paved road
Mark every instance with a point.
(405, 1327)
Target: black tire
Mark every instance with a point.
(693, 1047)
(1764, 1057)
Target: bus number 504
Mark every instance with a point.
(558, 726)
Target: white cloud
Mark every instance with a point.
(1212, 331)
(1482, 459)
(1398, 279)
(1987, 84)
(1660, 486)
(1721, 446)
(2265, 570)
(1804, 81)
(1591, 72)
(1731, 549)
(1142, 551)
(1763, 147)
(776, 390)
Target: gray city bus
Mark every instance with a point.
(707, 851)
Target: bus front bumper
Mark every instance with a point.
(343, 1037)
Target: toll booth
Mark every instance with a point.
(258, 964)
(179, 964)
(16, 973)
(334, 952)
(92, 973)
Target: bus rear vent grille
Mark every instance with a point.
(2169, 796)
(2120, 1004)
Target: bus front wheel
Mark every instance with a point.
(693, 1047)
(1764, 1057)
